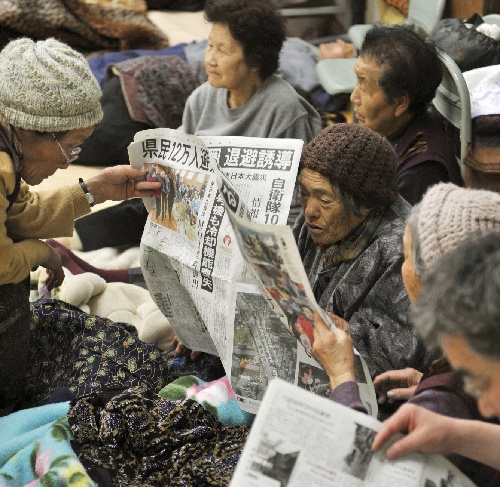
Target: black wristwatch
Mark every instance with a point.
(88, 194)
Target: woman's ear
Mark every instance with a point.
(402, 104)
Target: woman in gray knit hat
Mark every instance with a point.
(350, 239)
(49, 104)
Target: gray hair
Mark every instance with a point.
(460, 294)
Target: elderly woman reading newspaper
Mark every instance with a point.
(458, 309)
(445, 217)
(349, 236)
(49, 105)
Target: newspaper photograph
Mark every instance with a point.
(221, 263)
(273, 257)
(190, 258)
(299, 438)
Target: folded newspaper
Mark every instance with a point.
(301, 439)
(223, 266)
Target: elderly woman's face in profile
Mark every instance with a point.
(481, 374)
(224, 60)
(44, 155)
(371, 106)
(323, 209)
(410, 277)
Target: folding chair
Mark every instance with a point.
(337, 75)
(452, 101)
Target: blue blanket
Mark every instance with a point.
(35, 449)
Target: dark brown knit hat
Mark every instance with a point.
(357, 159)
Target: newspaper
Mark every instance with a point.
(221, 263)
(301, 439)
(273, 257)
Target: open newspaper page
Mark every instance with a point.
(301, 439)
(274, 259)
(190, 258)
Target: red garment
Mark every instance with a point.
(307, 326)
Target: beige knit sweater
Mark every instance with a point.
(33, 216)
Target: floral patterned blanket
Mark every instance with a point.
(191, 433)
(117, 429)
(35, 449)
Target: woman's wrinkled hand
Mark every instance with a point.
(55, 271)
(118, 183)
(426, 432)
(334, 350)
(397, 384)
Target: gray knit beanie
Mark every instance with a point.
(47, 86)
(357, 159)
(449, 214)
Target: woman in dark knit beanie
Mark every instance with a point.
(350, 239)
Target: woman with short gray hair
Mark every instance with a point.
(459, 309)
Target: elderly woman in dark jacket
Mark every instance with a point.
(446, 216)
(350, 239)
(398, 72)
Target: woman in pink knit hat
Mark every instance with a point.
(446, 216)
(458, 310)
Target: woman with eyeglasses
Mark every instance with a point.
(49, 105)
(459, 310)
(446, 216)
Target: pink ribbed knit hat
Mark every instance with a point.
(449, 214)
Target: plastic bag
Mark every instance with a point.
(469, 48)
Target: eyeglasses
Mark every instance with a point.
(72, 156)
(475, 386)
